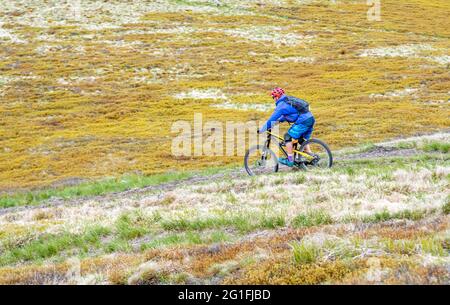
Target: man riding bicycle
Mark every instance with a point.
(292, 110)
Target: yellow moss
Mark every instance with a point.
(284, 272)
(63, 123)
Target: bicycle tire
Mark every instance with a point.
(262, 148)
(324, 145)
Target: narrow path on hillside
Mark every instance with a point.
(377, 152)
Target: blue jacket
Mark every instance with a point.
(284, 112)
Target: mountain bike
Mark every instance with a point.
(261, 159)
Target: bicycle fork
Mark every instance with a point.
(266, 146)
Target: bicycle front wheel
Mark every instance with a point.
(259, 160)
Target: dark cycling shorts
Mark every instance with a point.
(300, 131)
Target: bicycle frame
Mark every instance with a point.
(282, 144)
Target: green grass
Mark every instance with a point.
(242, 223)
(187, 238)
(272, 222)
(446, 206)
(436, 146)
(366, 147)
(169, 240)
(51, 245)
(433, 246)
(117, 245)
(404, 247)
(406, 145)
(304, 253)
(299, 179)
(95, 188)
(312, 218)
(130, 226)
(386, 166)
(429, 245)
(386, 215)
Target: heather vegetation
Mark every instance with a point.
(91, 91)
(369, 220)
(90, 192)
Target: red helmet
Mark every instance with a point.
(277, 92)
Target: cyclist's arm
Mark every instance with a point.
(282, 119)
(276, 116)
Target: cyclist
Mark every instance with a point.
(293, 110)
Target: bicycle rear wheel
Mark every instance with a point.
(321, 153)
(260, 160)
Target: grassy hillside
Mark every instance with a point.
(91, 92)
(367, 220)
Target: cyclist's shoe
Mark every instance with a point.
(286, 162)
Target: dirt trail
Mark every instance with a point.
(380, 152)
(377, 152)
(168, 186)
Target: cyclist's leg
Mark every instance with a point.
(296, 131)
(309, 124)
(288, 143)
(289, 161)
